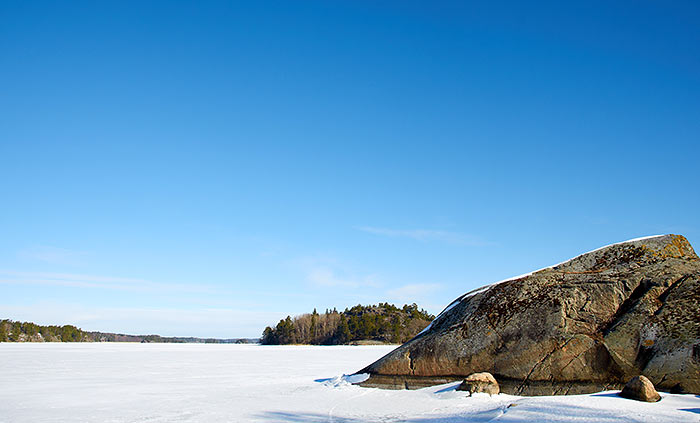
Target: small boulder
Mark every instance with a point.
(641, 389)
(480, 382)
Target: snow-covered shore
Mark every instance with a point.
(253, 383)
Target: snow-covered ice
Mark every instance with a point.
(253, 383)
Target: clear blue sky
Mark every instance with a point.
(206, 168)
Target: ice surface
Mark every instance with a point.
(252, 383)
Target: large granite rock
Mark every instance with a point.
(585, 325)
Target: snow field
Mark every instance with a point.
(109, 382)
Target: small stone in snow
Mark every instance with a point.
(480, 382)
(641, 389)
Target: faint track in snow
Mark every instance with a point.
(331, 419)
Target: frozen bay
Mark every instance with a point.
(114, 382)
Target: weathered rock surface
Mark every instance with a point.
(480, 382)
(641, 389)
(585, 325)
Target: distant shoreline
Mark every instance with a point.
(18, 332)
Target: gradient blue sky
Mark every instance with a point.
(206, 168)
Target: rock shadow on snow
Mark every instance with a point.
(299, 417)
(525, 413)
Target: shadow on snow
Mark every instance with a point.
(290, 417)
(520, 413)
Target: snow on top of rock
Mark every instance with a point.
(559, 264)
(448, 308)
(642, 238)
(476, 291)
(604, 247)
(489, 286)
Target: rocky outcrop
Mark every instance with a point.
(641, 389)
(480, 382)
(585, 325)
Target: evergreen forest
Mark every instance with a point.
(383, 323)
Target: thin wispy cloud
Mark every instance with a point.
(413, 292)
(426, 235)
(323, 271)
(97, 282)
(53, 255)
(324, 276)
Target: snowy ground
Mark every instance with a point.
(250, 383)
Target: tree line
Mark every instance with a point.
(383, 322)
(13, 331)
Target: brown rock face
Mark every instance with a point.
(586, 325)
(641, 389)
(480, 382)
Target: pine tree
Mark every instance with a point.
(314, 323)
(3, 331)
(285, 331)
(343, 334)
(269, 337)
